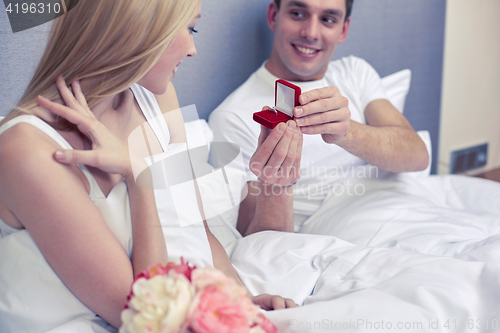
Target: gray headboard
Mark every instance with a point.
(234, 40)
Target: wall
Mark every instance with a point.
(20, 53)
(393, 35)
(470, 104)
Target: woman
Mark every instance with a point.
(68, 229)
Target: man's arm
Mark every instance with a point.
(269, 202)
(387, 141)
(266, 208)
(274, 158)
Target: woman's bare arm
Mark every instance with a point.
(53, 204)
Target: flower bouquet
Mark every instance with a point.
(183, 299)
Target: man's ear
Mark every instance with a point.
(272, 10)
(345, 30)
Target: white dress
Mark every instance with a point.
(32, 297)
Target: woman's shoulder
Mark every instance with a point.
(27, 148)
(25, 138)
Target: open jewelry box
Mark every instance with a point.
(286, 97)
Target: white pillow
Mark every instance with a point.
(397, 86)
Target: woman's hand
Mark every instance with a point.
(273, 302)
(108, 153)
(277, 159)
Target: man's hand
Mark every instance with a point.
(277, 159)
(273, 302)
(323, 111)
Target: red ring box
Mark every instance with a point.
(286, 97)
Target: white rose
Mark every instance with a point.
(159, 304)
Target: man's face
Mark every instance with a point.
(306, 33)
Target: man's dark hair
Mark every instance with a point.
(348, 7)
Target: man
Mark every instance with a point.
(344, 115)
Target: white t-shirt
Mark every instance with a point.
(322, 164)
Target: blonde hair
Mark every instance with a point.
(112, 42)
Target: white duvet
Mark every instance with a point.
(410, 255)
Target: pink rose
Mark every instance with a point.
(159, 269)
(184, 268)
(213, 310)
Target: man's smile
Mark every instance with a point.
(305, 51)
